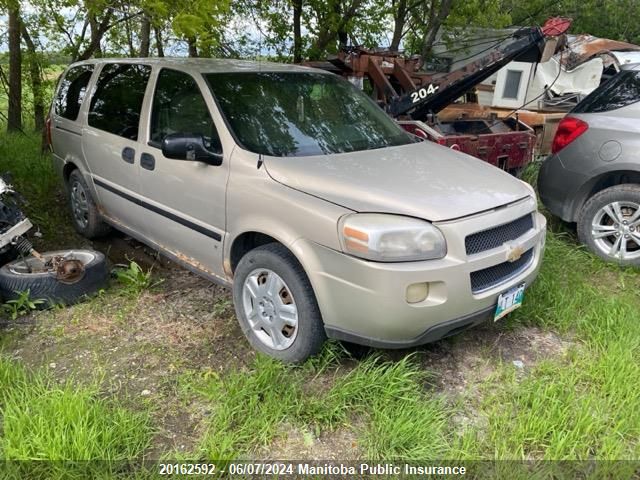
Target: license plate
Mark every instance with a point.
(509, 301)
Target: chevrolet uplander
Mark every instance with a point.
(296, 189)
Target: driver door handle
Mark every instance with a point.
(147, 161)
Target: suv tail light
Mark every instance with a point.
(568, 130)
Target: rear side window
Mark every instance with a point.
(179, 107)
(621, 90)
(117, 101)
(71, 91)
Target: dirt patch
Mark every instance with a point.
(295, 442)
(463, 362)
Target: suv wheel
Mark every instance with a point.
(276, 306)
(609, 224)
(84, 213)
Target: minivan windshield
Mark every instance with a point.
(300, 114)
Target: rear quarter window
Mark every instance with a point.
(619, 91)
(71, 91)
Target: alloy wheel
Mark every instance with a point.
(615, 230)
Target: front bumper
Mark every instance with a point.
(365, 302)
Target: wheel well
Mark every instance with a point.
(246, 242)
(603, 182)
(66, 171)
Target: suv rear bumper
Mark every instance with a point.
(365, 302)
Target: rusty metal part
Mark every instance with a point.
(37, 255)
(583, 48)
(69, 271)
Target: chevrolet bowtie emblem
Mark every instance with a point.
(515, 253)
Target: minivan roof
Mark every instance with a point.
(206, 65)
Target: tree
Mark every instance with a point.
(14, 117)
(35, 76)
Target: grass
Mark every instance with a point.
(252, 407)
(587, 406)
(44, 420)
(578, 405)
(33, 177)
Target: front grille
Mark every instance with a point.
(493, 276)
(496, 236)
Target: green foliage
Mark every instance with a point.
(134, 279)
(32, 176)
(614, 19)
(46, 420)
(22, 305)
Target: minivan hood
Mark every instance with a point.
(423, 180)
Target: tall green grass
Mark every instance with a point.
(45, 423)
(250, 408)
(32, 175)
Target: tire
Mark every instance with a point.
(84, 212)
(608, 225)
(266, 330)
(45, 285)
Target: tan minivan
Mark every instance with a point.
(294, 188)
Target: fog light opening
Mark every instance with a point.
(417, 292)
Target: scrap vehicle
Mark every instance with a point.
(62, 276)
(414, 97)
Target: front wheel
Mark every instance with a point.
(276, 306)
(609, 224)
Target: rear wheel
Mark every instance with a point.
(276, 306)
(84, 212)
(609, 224)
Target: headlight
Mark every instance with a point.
(390, 238)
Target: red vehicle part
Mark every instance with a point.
(507, 144)
(568, 130)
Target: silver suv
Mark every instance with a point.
(293, 187)
(593, 175)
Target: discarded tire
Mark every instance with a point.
(64, 276)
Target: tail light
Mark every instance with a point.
(47, 130)
(568, 130)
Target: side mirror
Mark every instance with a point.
(190, 147)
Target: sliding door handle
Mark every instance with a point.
(128, 154)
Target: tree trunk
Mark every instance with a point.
(399, 21)
(297, 34)
(435, 22)
(145, 36)
(36, 81)
(14, 117)
(98, 29)
(159, 41)
(193, 49)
